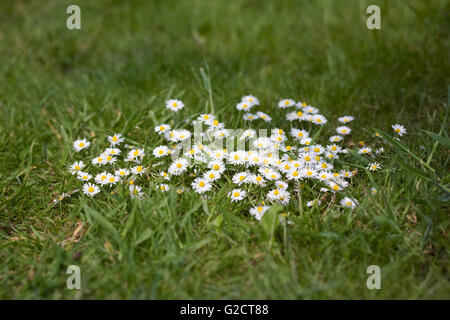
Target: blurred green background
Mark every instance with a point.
(129, 56)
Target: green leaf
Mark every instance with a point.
(143, 236)
(442, 140)
(103, 222)
(270, 221)
(218, 221)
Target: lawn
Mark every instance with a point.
(114, 76)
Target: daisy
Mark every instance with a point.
(90, 189)
(299, 134)
(211, 175)
(309, 173)
(122, 172)
(101, 178)
(84, 176)
(160, 151)
(162, 128)
(115, 139)
(79, 145)
(251, 99)
(215, 124)
(310, 109)
(244, 106)
(174, 105)
(318, 119)
(135, 192)
(237, 195)
(345, 119)
(324, 175)
(349, 203)
(294, 175)
(76, 167)
(240, 178)
(237, 157)
(217, 166)
(365, 150)
(313, 202)
(264, 116)
(178, 166)
(100, 160)
(257, 179)
(343, 130)
(258, 211)
(206, 117)
(108, 158)
(286, 103)
(335, 138)
(305, 141)
(281, 185)
(138, 170)
(201, 185)
(164, 187)
(112, 179)
(135, 153)
(399, 129)
(112, 151)
(317, 149)
(374, 166)
(250, 116)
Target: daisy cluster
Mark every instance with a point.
(274, 169)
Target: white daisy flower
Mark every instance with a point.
(299, 134)
(164, 187)
(122, 172)
(84, 176)
(102, 178)
(115, 139)
(112, 151)
(237, 195)
(174, 105)
(161, 151)
(206, 117)
(345, 119)
(81, 144)
(264, 116)
(100, 160)
(76, 167)
(162, 128)
(374, 166)
(286, 103)
(313, 202)
(318, 119)
(138, 170)
(244, 106)
(215, 124)
(250, 116)
(374, 191)
(343, 130)
(349, 203)
(135, 153)
(240, 178)
(281, 185)
(217, 166)
(112, 179)
(259, 211)
(135, 192)
(251, 99)
(90, 189)
(399, 129)
(201, 185)
(365, 150)
(336, 138)
(178, 167)
(211, 175)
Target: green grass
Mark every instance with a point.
(114, 75)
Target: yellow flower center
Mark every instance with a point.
(91, 189)
(236, 194)
(276, 192)
(115, 138)
(201, 184)
(139, 169)
(259, 209)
